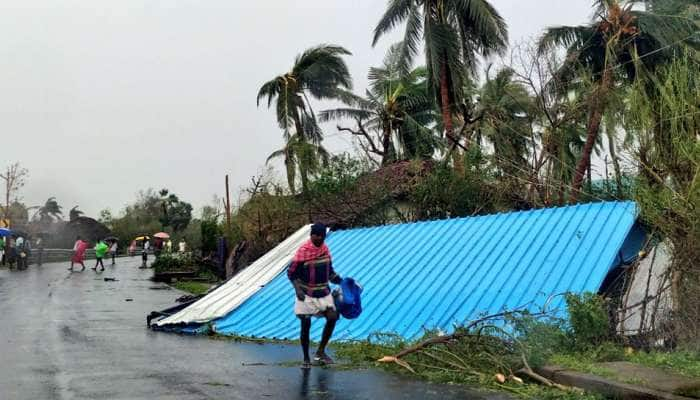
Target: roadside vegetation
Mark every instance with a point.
(454, 123)
(502, 352)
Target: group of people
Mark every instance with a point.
(159, 246)
(16, 249)
(102, 248)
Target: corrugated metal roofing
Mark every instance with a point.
(436, 274)
(242, 286)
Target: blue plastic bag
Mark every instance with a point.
(348, 300)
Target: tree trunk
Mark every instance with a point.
(299, 127)
(447, 119)
(387, 146)
(616, 164)
(596, 106)
(304, 172)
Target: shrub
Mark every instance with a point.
(174, 262)
(588, 318)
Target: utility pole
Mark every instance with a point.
(228, 209)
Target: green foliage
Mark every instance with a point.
(453, 34)
(666, 124)
(588, 319)
(340, 175)
(319, 72)
(174, 262)
(446, 193)
(582, 362)
(686, 8)
(210, 231)
(394, 116)
(541, 339)
(174, 212)
(150, 213)
(683, 362)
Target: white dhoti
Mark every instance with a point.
(314, 306)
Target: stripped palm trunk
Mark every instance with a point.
(596, 106)
(447, 119)
(387, 147)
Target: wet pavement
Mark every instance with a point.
(74, 335)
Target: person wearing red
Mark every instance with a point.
(78, 253)
(310, 272)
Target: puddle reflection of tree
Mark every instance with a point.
(319, 389)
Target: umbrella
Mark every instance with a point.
(111, 239)
(144, 237)
(162, 235)
(5, 232)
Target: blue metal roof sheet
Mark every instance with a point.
(436, 274)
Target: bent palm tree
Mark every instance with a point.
(397, 108)
(454, 32)
(505, 106)
(300, 156)
(74, 213)
(319, 72)
(49, 212)
(616, 47)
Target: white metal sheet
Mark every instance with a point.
(242, 286)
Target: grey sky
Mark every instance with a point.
(100, 99)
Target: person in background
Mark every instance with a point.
(19, 252)
(144, 253)
(169, 246)
(40, 251)
(24, 252)
(11, 253)
(2, 250)
(310, 272)
(19, 243)
(100, 252)
(132, 248)
(113, 251)
(182, 246)
(78, 253)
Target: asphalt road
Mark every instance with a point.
(73, 335)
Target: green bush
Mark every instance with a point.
(174, 262)
(210, 233)
(541, 339)
(588, 318)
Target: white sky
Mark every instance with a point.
(100, 99)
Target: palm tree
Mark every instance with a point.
(303, 157)
(320, 72)
(453, 32)
(74, 213)
(505, 107)
(49, 212)
(620, 44)
(397, 108)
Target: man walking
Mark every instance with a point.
(100, 252)
(144, 253)
(113, 251)
(2, 250)
(310, 272)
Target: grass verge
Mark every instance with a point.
(681, 362)
(193, 287)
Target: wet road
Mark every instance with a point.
(74, 336)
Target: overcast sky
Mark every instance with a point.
(101, 99)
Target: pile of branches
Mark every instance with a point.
(485, 349)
